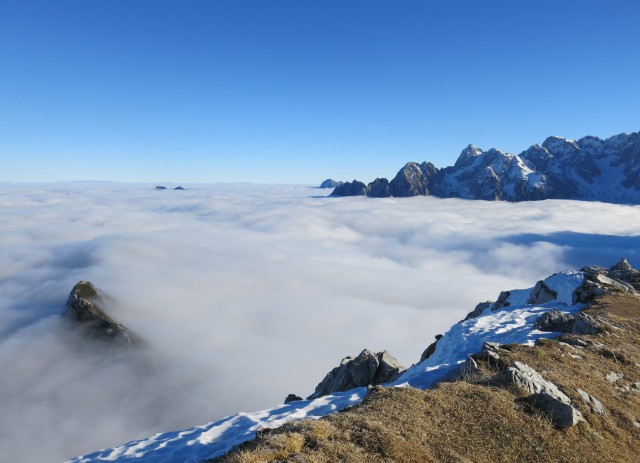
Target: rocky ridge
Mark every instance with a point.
(587, 169)
(498, 386)
(86, 308)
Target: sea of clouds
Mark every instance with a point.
(246, 293)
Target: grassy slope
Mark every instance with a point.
(474, 420)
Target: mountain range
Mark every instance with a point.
(590, 169)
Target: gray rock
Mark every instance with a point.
(468, 368)
(503, 301)
(292, 398)
(541, 294)
(379, 188)
(85, 306)
(554, 320)
(330, 183)
(594, 404)
(475, 313)
(428, 352)
(367, 369)
(354, 188)
(614, 377)
(584, 324)
(544, 395)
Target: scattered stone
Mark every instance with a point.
(366, 369)
(292, 398)
(431, 349)
(541, 294)
(544, 395)
(573, 341)
(614, 377)
(85, 306)
(594, 404)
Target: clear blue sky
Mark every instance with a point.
(296, 91)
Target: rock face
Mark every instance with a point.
(354, 188)
(330, 183)
(367, 369)
(85, 307)
(558, 169)
(379, 188)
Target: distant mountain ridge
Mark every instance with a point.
(587, 169)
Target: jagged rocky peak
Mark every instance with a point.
(467, 156)
(367, 369)
(354, 188)
(560, 146)
(86, 306)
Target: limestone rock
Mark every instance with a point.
(594, 404)
(85, 306)
(554, 320)
(541, 294)
(544, 394)
(366, 369)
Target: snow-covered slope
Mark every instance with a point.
(587, 169)
(511, 321)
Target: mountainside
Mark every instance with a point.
(586, 169)
(549, 373)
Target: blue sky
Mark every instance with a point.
(297, 91)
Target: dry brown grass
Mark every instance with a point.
(472, 421)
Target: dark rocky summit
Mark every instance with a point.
(179, 188)
(330, 183)
(367, 369)
(354, 188)
(85, 306)
(161, 187)
(558, 169)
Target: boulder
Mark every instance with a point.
(85, 307)
(367, 369)
(554, 320)
(541, 294)
(544, 395)
(594, 404)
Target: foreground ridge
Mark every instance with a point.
(586, 169)
(491, 348)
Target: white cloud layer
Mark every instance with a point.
(246, 293)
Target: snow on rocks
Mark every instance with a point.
(512, 323)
